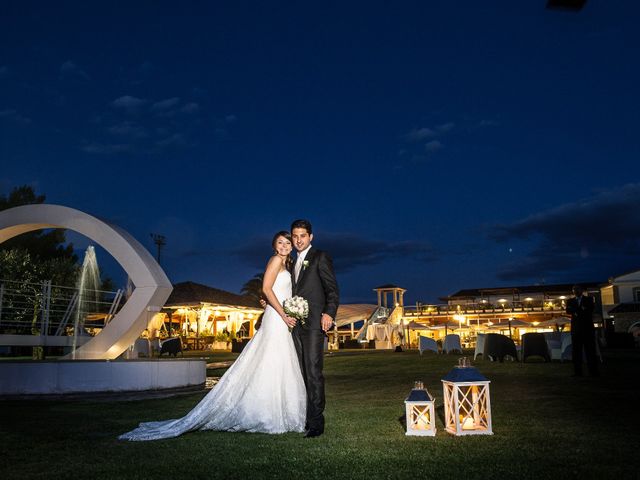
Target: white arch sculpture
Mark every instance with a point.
(152, 287)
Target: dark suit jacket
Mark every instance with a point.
(581, 313)
(317, 284)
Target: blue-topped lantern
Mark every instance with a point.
(467, 406)
(420, 413)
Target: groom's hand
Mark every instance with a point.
(327, 322)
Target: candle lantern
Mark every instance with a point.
(467, 406)
(420, 413)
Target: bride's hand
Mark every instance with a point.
(291, 322)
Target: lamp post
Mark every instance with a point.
(160, 241)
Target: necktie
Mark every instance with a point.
(298, 266)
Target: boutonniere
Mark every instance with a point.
(305, 264)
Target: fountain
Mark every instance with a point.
(88, 294)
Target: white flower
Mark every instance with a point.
(296, 307)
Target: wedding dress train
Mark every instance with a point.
(263, 391)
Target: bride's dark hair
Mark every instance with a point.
(288, 261)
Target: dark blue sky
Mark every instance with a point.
(438, 145)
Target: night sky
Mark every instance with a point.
(437, 145)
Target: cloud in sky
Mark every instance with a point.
(433, 146)
(175, 140)
(348, 251)
(191, 107)
(155, 128)
(70, 69)
(106, 148)
(128, 129)
(488, 123)
(128, 102)
(603, 230)
(419, 134)
(426, 137)
(164, 105)
(445, 127)
(145, 67)
(13, 116)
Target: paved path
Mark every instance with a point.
(226, 364)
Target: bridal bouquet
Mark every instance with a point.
(297, 307)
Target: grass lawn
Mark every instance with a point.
(546, 425)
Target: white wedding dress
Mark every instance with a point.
(263, 391)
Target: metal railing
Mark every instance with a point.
(379, 315)
(46, 309)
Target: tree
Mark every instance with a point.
(43, 244)
(253, 288)
(23, 299)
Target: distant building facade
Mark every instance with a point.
(621, 301)
(532, 303)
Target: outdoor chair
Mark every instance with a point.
(427, 343)
(451, 343)
(554, 344)
(565, 349)
(534, 345)
(497, 346)
(479, 346)
(171, 346)
(141, 348)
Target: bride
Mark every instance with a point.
(263, 391)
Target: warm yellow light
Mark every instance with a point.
(484, 301)
(216, 313)
(459, 318)
(422, 422)
(528, 299)
(468, 424)
(503, 300)
(562, 297)
(535, 324)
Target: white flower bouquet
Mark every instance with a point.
(296, 307)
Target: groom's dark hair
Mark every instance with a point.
(306, 224)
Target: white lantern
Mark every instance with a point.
(420, 413)
(467, 406)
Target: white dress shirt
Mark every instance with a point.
(301, 256)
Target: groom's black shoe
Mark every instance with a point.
(312, 433)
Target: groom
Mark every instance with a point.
(315, 281)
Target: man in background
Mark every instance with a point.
(580, 307)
